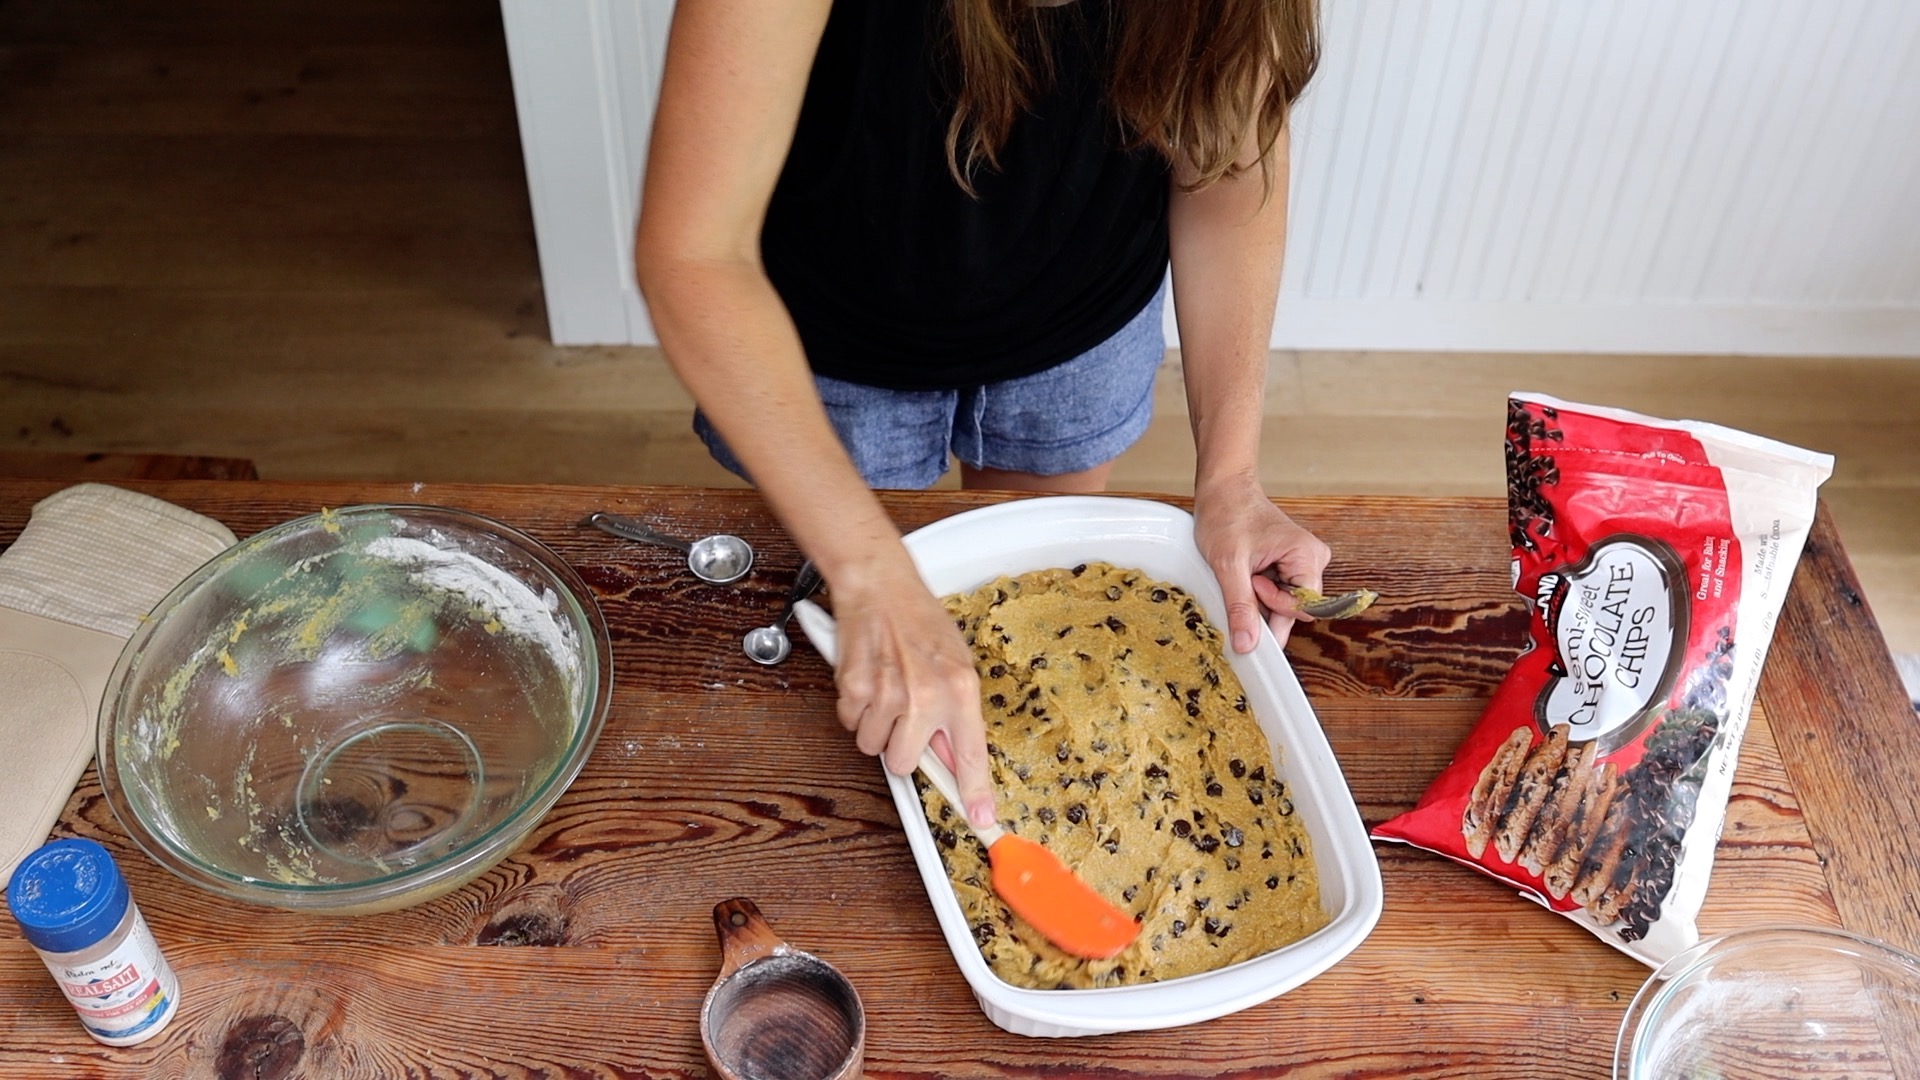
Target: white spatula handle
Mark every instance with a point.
(823, 632)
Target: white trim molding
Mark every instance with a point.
(585, 76)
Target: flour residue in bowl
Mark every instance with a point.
(303, 731)
(514, 608)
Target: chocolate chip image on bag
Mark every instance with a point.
(1653, 556)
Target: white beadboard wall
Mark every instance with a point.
(1728, 176)
(1669, 176)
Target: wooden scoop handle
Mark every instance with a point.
(744, 935)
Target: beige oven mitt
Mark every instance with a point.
(92, 561)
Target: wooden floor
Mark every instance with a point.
(299, 233)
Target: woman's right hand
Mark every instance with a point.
(906, 680)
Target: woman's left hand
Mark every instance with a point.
(1241, 533)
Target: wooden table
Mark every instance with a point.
(586, 954)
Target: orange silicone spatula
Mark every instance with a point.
(1027, 876)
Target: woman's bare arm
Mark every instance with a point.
(735, 76)
(1228, 239)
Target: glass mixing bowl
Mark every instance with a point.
(1804, 1003)
(357, 710)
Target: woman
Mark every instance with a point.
(874, 231)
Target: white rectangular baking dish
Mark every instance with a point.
(962, 552)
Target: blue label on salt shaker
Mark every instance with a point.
(73, 906)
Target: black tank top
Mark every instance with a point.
(896, 277)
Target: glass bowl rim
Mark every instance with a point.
(426, 879)
(1656, 991)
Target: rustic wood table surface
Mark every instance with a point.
(588, 951)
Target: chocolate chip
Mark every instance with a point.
(1047, 815)
(1179, 927)
(1113, 592)
(1232, 864)
(1112, 847)
(1214, 789)
(1233, 836)
(997, 671)
(998, 701)
(1182, 827)
(1037, 662)
(1158, 596)
(1237, 767)
(1273, 882)
(1077, 813)
(1206, 842)
(1129, 893)
(1115, 625)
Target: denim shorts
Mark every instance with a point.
(1073, 416)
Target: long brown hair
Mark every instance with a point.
(1189, 78)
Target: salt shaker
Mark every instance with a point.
(73, 906)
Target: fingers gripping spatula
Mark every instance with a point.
(1028, 877)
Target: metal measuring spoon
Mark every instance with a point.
(1344, 606)
(769, 644)
(717, 560)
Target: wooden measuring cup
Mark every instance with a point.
(776, 1013)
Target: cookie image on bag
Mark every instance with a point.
(1493, 789)
(1530, 793)
(1558, 816)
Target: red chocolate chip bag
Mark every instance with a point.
(1653, 556)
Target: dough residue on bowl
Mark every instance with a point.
(1122, 740)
